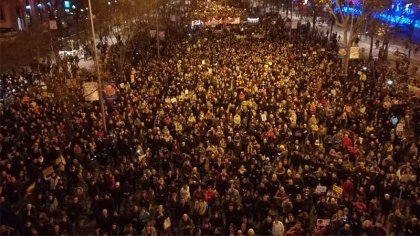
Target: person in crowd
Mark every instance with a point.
(247, 131)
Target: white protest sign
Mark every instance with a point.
(90, 91)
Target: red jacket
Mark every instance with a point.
(348, 188)
(346, 142)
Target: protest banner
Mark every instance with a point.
(90, 91)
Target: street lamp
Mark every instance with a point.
(101, 99)
(157, 29)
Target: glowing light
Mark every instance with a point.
(67, 4)
(401, 15)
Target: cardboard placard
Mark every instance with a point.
(408, 178)
(48, 171)
(338, 190)
(400, 128)
(342, 52)
(71, 83)
(321, 189)
(53, 25)
(354, 53)
(263, 117)
(90, 91)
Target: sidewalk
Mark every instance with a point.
(395, 44)
(89, 64)
(364, 43)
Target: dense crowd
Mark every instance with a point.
(206, 10)
(248, 131)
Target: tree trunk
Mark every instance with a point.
(409, 52)
(347, 43)
(332, 27)
(385, 46)
(346, 62)
(265, 7)
(371, 47)
(345, 33)
(314, 21)
(410, 38)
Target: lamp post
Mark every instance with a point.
(291, 18)
(101, 99)
(157, 29)
(291, 9)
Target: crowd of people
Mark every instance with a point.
(206, 10)
(248, 131)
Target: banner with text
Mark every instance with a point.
(354, 53)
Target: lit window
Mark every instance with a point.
(2, 14)
(67, 4)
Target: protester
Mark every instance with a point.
(252, 130)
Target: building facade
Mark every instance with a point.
(12, 15)
(20, 15)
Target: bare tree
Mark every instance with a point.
(316, 8)
(372, 32)
(118, 21)
(353, 16)
(393, 19)
(415, 19)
